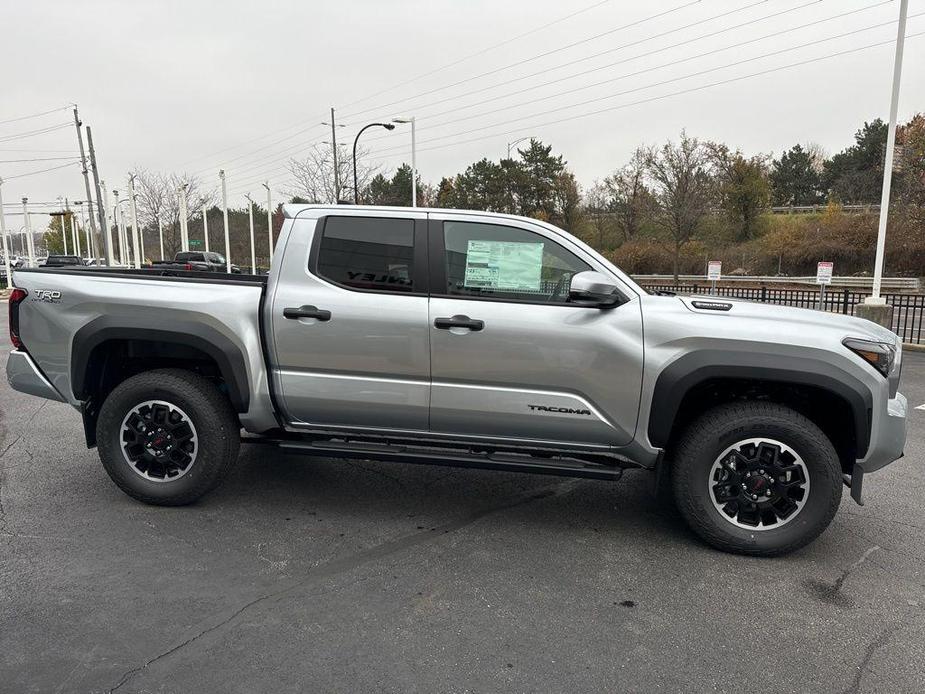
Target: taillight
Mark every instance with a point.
(187, 267)
(16, 297)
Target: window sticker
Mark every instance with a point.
(510, 265)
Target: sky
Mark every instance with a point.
(193, 86)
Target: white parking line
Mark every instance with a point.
(921, 407)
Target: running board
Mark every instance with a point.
(562, 466)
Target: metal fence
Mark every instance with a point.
(908, 309)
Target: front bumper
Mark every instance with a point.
(886, 446)
(24, 376)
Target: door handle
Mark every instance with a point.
(307, 312)
(459, 322)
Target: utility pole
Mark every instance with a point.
(334, 150)
(100, 211)
(250, 220)
(184, 213)
(83, 166)
(30, 244)
(120, 230)
(139, 242)
(205, 225)
(160, 234)
(87, 234)
(7, 244)
(875, 307)
(107, 226)
(75, 233)
(266, 185)
(221, 175)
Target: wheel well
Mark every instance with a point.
(113, 361)
(827, 410)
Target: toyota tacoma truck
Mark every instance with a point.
(466, 339)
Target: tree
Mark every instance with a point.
(855, 174)
(158, 202)
(630, 199)
(795, 178)
(682, 189)
(909, 169)
(52, 238)
(597, 206)
(395, 191)
(313, 175)
(743, 187)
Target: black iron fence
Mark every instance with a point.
(908, 309)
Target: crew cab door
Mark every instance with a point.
(511, 357)
(350, 324)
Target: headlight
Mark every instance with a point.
(880, 355)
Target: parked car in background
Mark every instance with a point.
(199, 261)
(472, 339)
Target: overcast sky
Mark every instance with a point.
(196, 86)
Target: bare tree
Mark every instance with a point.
(597, 203)
(817, 156)
(313, 175)
(159, 201)
(630, 199)
(682, 188)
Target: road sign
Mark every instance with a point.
(195, 243)
(714, 270)
(824, 273)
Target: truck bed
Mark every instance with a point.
(151, 273)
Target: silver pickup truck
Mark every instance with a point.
(466, 339)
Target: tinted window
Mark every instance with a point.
(368, 253)
(186, 257)
(505, 262)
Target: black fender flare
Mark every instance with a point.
(690, 370)
(227, 355)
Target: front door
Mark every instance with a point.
(350, 323)
(510, 356)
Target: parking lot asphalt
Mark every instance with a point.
(301, 575)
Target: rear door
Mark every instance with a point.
(350, 322)
(510, 356)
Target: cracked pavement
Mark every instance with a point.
(306, 575)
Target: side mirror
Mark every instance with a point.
(591, 288)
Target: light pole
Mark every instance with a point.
(63, 217)
(7, 242)
(414, 164)
(517, 142)
(75, 230)
(250, 221)
(123, 233)
(107, 226)
(221, 175)
(139, 242)
(29, 240)
(184, 213)
(356, 185)
(160, 234)
(266, 185)
(205, 226)
(874, 307)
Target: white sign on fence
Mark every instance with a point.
(714, 270)
(824, 273)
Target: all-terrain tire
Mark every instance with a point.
(216, 426)
(707, 437)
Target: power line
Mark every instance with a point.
(33, 173)
(34, 115)
(637, 56)
(730, 80)
(523, 61)
(15, 161)
(640, 88)
(33, 133)
(478, 53)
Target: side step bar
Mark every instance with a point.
(562, 466)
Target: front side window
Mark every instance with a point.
(506, 263)
(369, 253)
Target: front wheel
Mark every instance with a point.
(167, 436)
(756, 478)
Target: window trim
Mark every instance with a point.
(419, 275)
(437, 253)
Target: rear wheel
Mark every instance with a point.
(756, 478)
(167, 436)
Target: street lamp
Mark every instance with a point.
(517, 142)
(356, 186)
(414, 164)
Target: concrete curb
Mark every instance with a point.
(909, 347)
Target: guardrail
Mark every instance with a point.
(816, 209)
(911, 284)
(908, 309)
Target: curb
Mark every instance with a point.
(909, 347)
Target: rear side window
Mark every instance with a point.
(367, 253)
(187, 257)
